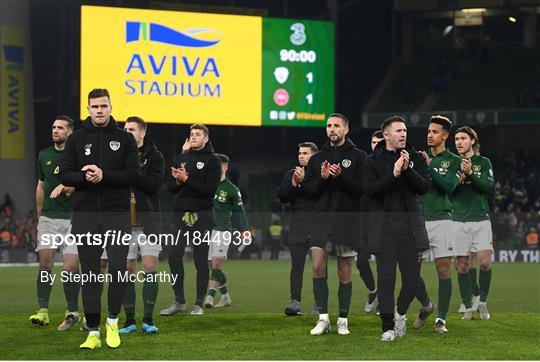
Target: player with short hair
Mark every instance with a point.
(333, 177)
(145, 220)
(444, 168)
(471, 212)
(394, 177)
(195, 178)
(292, 191)
(53, 208)
(101, 162)
(227, 201)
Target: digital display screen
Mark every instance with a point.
(182, 68)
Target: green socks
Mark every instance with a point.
(149, 293)
(485, 281)
(44, 288)
(129, 301)
(344, 298)
(320, 291)
(475, 288)
(445, 293)
(464, 283)
(71, 291)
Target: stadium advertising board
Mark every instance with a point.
(180, 67)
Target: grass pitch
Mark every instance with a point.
(255, 328)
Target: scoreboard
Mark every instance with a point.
(180, 67)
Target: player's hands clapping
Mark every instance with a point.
(335, 170)
(426, 157)
(467, 166)
(330, 170)
(298, 176)
(180, 174)
(401, 164)
(93, 173)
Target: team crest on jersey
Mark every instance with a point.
(48, 163)
(445, 164)
(200, 165)
(114, 145)
(87, 149)
(476, 168)
(346, 163)
(222, 197)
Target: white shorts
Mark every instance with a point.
(342, 251)
(218, 245)
(472, 237)
(139, 244)
(48, 228)
(442, 236)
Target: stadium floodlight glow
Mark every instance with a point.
(447, 30)
(512, 19)
(474, 10)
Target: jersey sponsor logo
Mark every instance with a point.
(200, 165)
(346, 163)
(87, 149)
(114, 145)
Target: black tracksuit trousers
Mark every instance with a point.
(396, 249)
(298, 261)
(200, 257)
(90, 259)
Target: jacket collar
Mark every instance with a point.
(110, 127)
(346, 145)
(381, 147)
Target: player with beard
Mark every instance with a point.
(54, 211)
(394, 177)
(333, 177)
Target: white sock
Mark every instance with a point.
(112, 321)
(75, 314)
(94, 333)
(324, 317)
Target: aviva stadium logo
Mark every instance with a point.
(192, 38)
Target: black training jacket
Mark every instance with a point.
(379, 184)
(337, 212)
(197, 194)
(147, 187)
(115, 152)
(302, 206)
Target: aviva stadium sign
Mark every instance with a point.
(179, 67)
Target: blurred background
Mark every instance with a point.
(477, 62)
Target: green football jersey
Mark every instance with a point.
(470, 200)
(227, 200)
(444, 170)
(48, 171)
